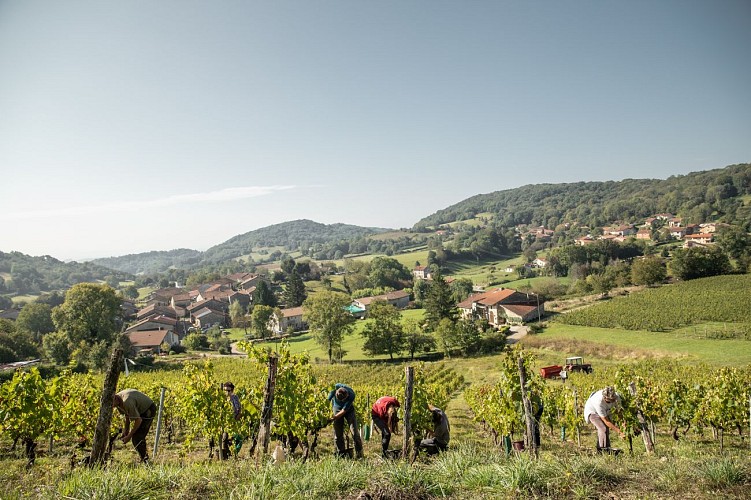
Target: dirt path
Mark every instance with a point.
(517, 333)
(463, 428)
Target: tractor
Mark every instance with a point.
(573, 364)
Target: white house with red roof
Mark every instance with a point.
(503, 305)
(289, 319)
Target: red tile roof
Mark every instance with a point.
(147, 338)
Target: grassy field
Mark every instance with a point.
(613, 345)
(352, 344)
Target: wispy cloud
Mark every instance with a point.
(222, 195)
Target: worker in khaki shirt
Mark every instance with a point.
(139, 410)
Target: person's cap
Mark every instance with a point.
(608, 395)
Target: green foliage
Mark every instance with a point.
(43, 274)
(595, 204)
(90, 313)
(383, 331)
(263, 295)
(648, 271)
(260, 318)
(28, 405)
(699, 262)
(415, 340)
(57, 347)
(294, 292)
(35, 319)
(328, 319)
(388, 272)
(439, 304)
(196, 341)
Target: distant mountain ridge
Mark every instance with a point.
(22, 274)
(720, 194)
(286, 234)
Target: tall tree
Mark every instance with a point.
(90, 313)
(263, 295)
(698, 262)
(259, 321)
(35, 319)
(383, 330)
(237, 315)
(439, 304)
(328, 318)
(288, 265)
(734, 241)
(648, 271)
(388, 272)
(294, 292)
(415, 340)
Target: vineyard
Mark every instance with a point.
(195, 407)
(721, 299)
(697, 416)
(687, 401)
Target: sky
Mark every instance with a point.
(130, 126)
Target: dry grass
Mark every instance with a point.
(577, 347)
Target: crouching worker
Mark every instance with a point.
(237, 439)
(343, 405)
(139, 410)
(439, 437)
(385, 418)
(597, 412)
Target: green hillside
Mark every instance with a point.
(695, 196)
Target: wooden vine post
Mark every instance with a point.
(264, 432)
(102, 430)
(528, 416)
(648, 444)
(576, 417)
(407, 424)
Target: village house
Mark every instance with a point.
(397, 298)
(156, 310)
(163, 296)
(156, 323)
(703, 239)
(621, 230)
(151, 340)
(288, 320)
(502, 306)
(421, 273)
(540, 263)
(205, 318)
(183, 299)
(584, 240)
(677, 232)
(644, 234)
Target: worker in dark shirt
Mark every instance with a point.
(439, 437)
(343, 405)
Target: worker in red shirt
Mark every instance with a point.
(385, 418)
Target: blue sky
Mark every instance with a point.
(129, 126)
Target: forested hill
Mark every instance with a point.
(295, 234)
(152, 262)
(289, 235)
(22, 274)
(699, 196)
